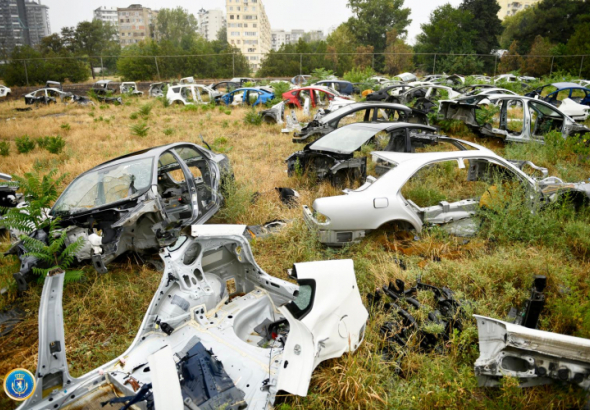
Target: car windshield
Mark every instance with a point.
(105, 186)
(345, 140)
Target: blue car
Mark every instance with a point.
(343, 87)
(572, 99)
(249, 96)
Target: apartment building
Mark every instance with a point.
(511, 7)
(37, 21)
(136, 23)
(281, 37)
(105, 14)
(22, 23)
(210, 22)
(248, 29)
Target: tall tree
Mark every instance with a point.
(448, 31)
(511, 61)
(400, 55)
(485, 23)
(552, 19)
(537, 63)
(372, 19)
(177, 26)
(341, 43)
(90, 39)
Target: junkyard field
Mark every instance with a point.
(492, 271)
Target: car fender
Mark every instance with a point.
(335, 324)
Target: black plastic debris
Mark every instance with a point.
(9, 319)
(402, 302)
(206, 384)
(288, 196)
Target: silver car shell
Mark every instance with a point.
(379, 201)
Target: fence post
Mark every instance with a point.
(373, 61)
(26, 73)
(434, 66)
(581, 65)
(551, 70)
(101, 68)
(233, 64)
(495, 65)
(157, 68)
(301, 64)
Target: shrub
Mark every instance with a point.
(140, 129)
(4, 148)
(253, 117)
(133, 116)
(55, 145)
(168, 131)
(65, 126)
(24, 144)
(358, 75)
(42, 142)
(40, 191)
(145, 110)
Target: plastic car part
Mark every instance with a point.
(531, 356)
(217, 312)
(447, 316)
(529, 315)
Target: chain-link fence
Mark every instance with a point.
(31, 71)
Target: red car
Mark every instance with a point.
(319, 96)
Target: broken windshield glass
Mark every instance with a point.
(105, 186)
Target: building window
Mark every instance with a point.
(231, 16)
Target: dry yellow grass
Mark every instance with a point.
(103, 312)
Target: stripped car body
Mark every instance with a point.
(425, 91)
(318, 95)
(190, 94)
(332, 157)
(370, 112)
(385, 93)
(518, 118)
(139, 202)
(5, 91)
(130, 88)
(251, 96)
(533, 357)
(343, 87)
(47, 96)
(157, 90)
(253, 334)
(104, 88)
(572, 99)
(380, 201)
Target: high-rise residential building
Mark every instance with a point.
(248, 29)
(281, 37)
(136, 23)
(37, 20)
(22, 22)
(210, 22)
(105, 14)
(511, 7)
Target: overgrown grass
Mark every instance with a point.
(492, 270)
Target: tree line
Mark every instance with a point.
(550, 27)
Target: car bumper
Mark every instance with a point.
(330, 237)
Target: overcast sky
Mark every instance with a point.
(283, 14)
